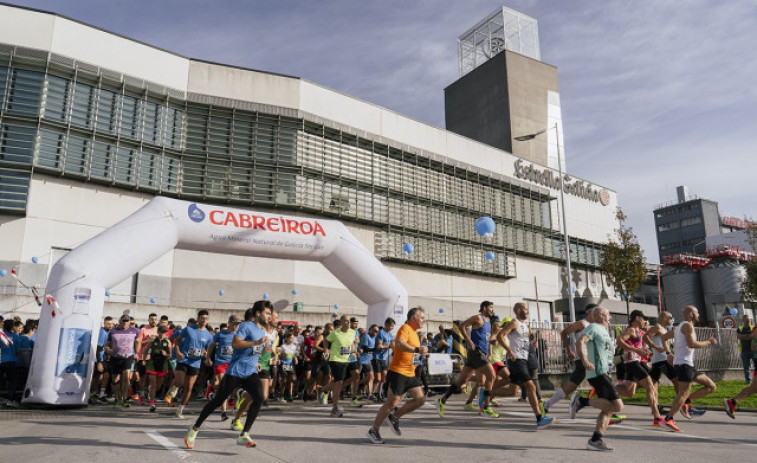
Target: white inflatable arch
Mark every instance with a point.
(63, 360)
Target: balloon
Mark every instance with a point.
(336, 306)
(221, 292)
(441, 310)
(107, 293)
(734, 311)
(265, 296)
(3, 272)
(294, 291)
(485, 226)
(35, 260)
(408, 248)
(153, 300)
(490, 256)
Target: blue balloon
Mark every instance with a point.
(490, 256)
(408, 248)
(441, 310)
(107, 293)
(265, 296)
(35, 260)
(336, 306)
(221, 292)
(153, 300)
(734, 311)
(485, 226)
(294, 291)
(3, 272)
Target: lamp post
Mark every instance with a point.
(571, 303)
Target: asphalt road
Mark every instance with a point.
(305, 433)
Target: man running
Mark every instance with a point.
(595, 351)
(384, 341)
(247, 343)
(730, 404)
(660, 352)
(631, 341)
(516, 337)
(220, 353)
(194, 342)
(121, 346)
(146, 334)
(684, 343)
(157, 367)
(476, 361)
(401, 378)
(342, 342)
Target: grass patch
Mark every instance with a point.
(725, 390)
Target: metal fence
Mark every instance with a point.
(722, 356)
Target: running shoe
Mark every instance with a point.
(658, 422)
(102, 399)
(125, 404)
(371, 398)
(592, 393)
(730, 408)
(542, 409)
(545, 421)
(336, 413)
(440, 407)
(224, 416)
(599, 446)
(179, 414)
(152, 408)
(324, 398)
(394, 423)
(488, 411)
(356, 403)
(115, 404)
(696, 411)
(494, 403)
(169, 400)
(189, 440)
(470, 407)
(135, 397)
(236, 425)
(672, 425)
(685, 411)
(246, 440)
(374, 436)
(575, 404)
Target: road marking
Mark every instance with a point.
(168, 445)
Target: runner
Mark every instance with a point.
(342, 344)
(367, 347)
(384, 342)
(632, 342)
(247, 343)
(103, 363)
(353, 367)
(516, 337)
(684, 343)
(156, 369)
(596, 351)
(320, 371)
(220, 352)
(660, 352)
(288, 359)
(477, 360)
(401, 377)
(730, 404)
(121, 346)
(194, 342)
(146, 334)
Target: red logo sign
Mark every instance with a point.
(274, 224)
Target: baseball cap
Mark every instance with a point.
(125, 318)
(162, 328)
(353, 320)
(235, 319)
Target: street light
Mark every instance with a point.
(529, 137)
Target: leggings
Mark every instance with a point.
(251, 384)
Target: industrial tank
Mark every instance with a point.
(682, 287)
(721, 284)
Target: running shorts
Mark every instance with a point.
(686, 373)
(635, 372)
(338, 370)
(660, 368)
(604, 388)
(579, 372)
(400, 384)
(476, 359)
(519, 372)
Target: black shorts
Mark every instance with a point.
(476, 359)
(366, 368)
(604, 388)
(353, 366)
(519, 372)
(338, 370)
(265, 374)
(635, 372)
(321, 366)
(660, 368)
(686, 373)
(579, 372)
(400, 384)
(380, 366)
(119, 364)
(189, 371)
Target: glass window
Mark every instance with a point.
(25, 93)
(14, 188)
(103, 155)
(107, 110)
(3, 85)
(82, 111)
(49, 149)
(129, 120)
(77, 155)
(56, 99)
(17, 144)
(126, 164)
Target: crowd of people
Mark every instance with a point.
(241, 365)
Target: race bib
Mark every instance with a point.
(344, 350)
(417, 359)
(287, 367)
(194, 352)
(256, 350)
(227, 351)
(525, 343)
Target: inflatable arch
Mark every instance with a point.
(63, 360)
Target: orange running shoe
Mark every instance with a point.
(592, 393)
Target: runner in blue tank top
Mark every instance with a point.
(477, 360)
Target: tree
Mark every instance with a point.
(749, 287)
(623, 260)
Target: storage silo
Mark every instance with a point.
(721, 283)
(682, 287)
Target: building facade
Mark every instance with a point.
(93, 125)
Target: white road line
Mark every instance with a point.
(168, 445)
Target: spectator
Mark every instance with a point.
(8, 356)
(744, 334)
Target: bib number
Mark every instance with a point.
(344, 350)
(227, 351)
(256, 350)
(287, 367)
(194, 352)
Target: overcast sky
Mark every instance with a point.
(654, 94)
